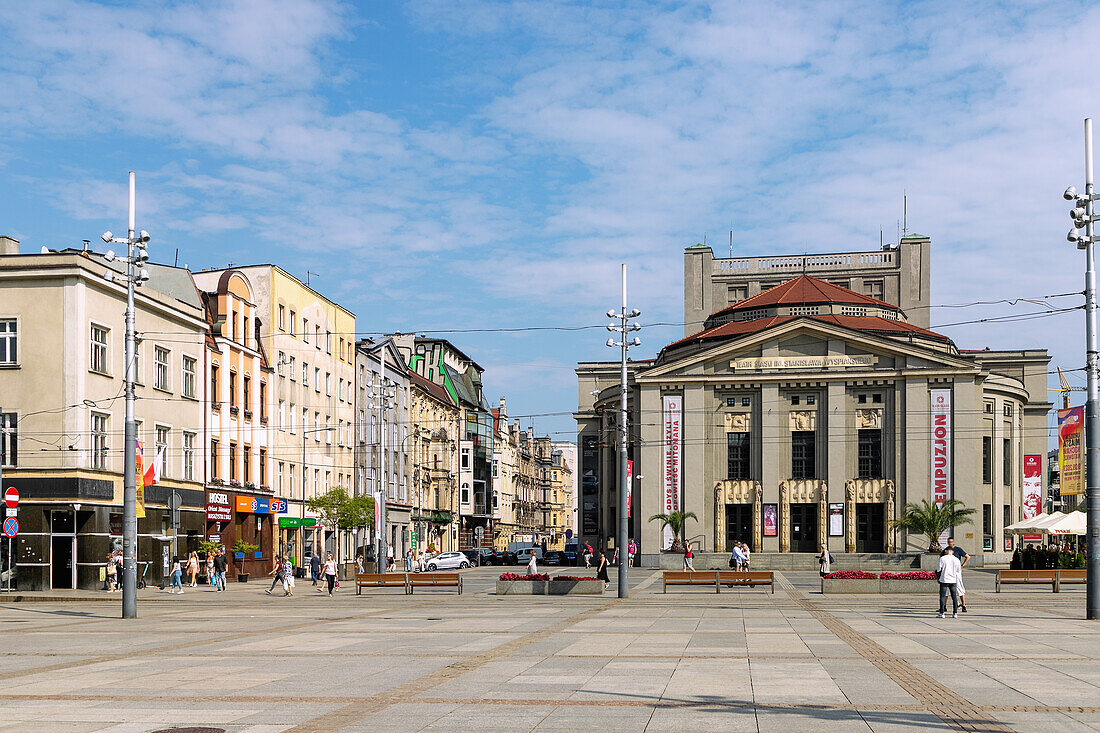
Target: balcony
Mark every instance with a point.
(233, 410)
(248, 414)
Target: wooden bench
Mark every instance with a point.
(1041, 577)
(435, 580)
(380, 580)
(689, 577)
(750, 578)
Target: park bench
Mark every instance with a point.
(380, 580)
(435, 580)
(750, 578)
(1055, 578)
(689, 577)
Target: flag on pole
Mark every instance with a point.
(139, 480)
(153, 473)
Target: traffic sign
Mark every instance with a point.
(11, 527)
(11, 497)
(9, 512)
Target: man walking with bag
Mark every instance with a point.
(963, 557)
(220, 566)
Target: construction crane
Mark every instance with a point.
(1064, 388)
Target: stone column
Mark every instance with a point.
(719, 517)
(784, 517)
(773, 435)
(850, 516)
(838, 446)
(757, 517)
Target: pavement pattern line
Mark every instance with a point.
(537, 702)
(954, 710)
(356, 711)
(190, 643)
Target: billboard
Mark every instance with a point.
(672, 406)
(590, 486)
(1033, 489)
(940, 426)
(1071, 451)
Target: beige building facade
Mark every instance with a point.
(434, 465)
(61, 396)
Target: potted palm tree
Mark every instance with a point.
(676, 522)
(932, 521)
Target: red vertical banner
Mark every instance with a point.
(629, 485)
(139, 480)
(1033, 489)
(1071, 463)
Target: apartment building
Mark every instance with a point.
(433, 465)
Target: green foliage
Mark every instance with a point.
(337, 510)
(677, 521)
(246, 547)
(931, 520)
(207, 547)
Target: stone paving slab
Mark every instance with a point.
(746, 661)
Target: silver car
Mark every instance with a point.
(448, 561)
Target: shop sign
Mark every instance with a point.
(115, 523)
(278, 506)
(253, 504)
(218, 508)
(296, 522)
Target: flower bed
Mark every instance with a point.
(852, 575)
(547, 585)
(860, 582)
(913, 575)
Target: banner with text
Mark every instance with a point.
(672, 408)
(1071, 442)
(1033, 489)
(941, 450)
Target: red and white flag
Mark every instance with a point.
(153, 473)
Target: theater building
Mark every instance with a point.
(809, 415)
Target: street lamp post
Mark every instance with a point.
(1083, 214)
(136, 275)
(623, 327)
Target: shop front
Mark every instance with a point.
(292, 530)
(242, 523)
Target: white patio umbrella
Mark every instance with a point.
(1073, 523)
(1026, 526)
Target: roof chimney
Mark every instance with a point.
(8, 245)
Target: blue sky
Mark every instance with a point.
(457, 165)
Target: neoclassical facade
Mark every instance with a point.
(809, 415)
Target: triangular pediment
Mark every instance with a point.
(800, 346)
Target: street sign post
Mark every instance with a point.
(11, 529)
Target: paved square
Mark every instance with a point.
(241, 661)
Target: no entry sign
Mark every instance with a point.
(11, 497)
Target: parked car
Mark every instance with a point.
(448, 561)
(497, 557)
(555, 557)
(523, 555)
(571, 554)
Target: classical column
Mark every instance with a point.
(823, 513)
(839, 444)
(757, 517)
(849, 516)
(773, 440)
(784, 517)
(719, 517)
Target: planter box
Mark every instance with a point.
(549, 588)
(854, 586)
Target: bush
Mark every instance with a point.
(852, 575)
(913, 575)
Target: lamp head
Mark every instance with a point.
(634, 313)
(107, 236)
(636, 342)
(610, 342)
(1073, 235)
(143, 237)
(1070, 194)
(110, 256)
(611, 313)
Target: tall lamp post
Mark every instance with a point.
(623, 327)
(1083, 214)
(136, 275)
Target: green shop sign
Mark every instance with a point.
(292, 522)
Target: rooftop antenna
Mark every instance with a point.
(904, 214)
(308, 273)
(731, 240)
(880, 238)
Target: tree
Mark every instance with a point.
(338, 511)
(676, 521)
(931, 520)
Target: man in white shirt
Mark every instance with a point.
(949, 572)
(737, 558)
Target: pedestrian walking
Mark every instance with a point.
(330, 574)
(632, 548)
(288, 578)
(391, 563)
(210, 569)
(112, 578)
(948, 572)
(601, 570)
(408, 561)
(118, 569)
(963, 557)
(277, 571)
(689, 558)
(359, 563)
(193, 567)
(587, 555)
(315, 567)
(532, 564)
(824, 561)
(745, 553)
(177, 576)
(221, 564)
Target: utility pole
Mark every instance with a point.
(623, 327)
(1083, 214)
(134, 278)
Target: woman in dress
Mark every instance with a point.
(824, 560)
(532, 564)
(601, 570)
(210, 568)
(193, 567)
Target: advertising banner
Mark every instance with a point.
(590, 486)
(836, 520)
(941, 450)
(139, 480)
(771, 520)
(253, 504)
(672, 406)
(1071, 455)
(218, 508)
(629, 485)
(1033, 489)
